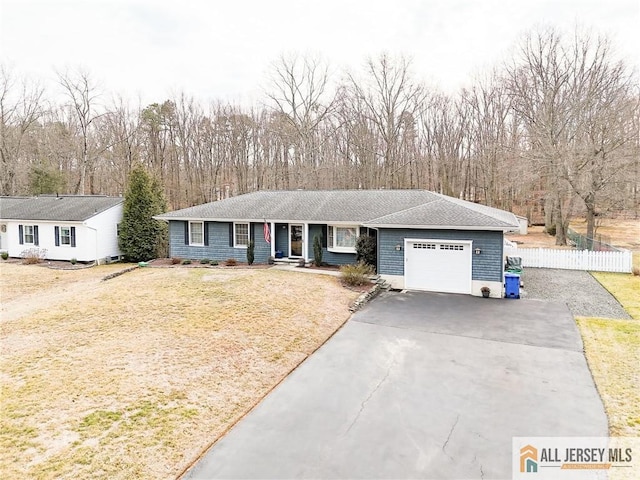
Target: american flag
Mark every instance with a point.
(267, 233)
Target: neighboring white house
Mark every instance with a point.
(524, 224)
(84, 227)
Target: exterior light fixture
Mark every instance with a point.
(477, 251)
(398, 247)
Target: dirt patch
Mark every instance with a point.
(134, 377)
(535, 238)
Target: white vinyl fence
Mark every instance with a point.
(574, 259)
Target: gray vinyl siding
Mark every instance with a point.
(486, 266)
(218, 248)
(332, 258)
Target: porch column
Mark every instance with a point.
(305, 239)
(272, 229)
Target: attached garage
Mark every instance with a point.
(438, 266)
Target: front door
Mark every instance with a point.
(295, 240)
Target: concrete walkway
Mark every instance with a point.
(419, 385)
(294, 268)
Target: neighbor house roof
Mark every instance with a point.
(374, 208)
(65, 208)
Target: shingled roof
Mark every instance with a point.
(374, 208)
(63, 208)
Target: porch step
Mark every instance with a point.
(285, 261)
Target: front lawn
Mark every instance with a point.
(135, 377)
(612, 348)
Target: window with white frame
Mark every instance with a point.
(342, 238)
(28, 235)
(240, 235)
(65, 236)
(196, 233)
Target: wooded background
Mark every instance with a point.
(551, 133)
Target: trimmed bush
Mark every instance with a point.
(214, 262)
(356, 274)
(251, 247)
(4, 255)
(186, 261)
(73, 261)
(176, 261)
(317, 250)
(231, 262)
(205, 261)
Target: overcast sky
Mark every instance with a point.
(149, 49)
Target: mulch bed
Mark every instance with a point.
(168, 263)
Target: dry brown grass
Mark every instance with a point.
(135, 377)
(612, 348)
(623, 233)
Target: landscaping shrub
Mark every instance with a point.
(317, 250)
(176, 261)
(73, 261)
(205, 261)
(251, 247)
(231, 262)
(214, 262)
(186, 261)
(4, 255)
(33, 255)
(357, 274)
(366, 250)
(634, 270)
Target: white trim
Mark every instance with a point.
(60, 227)
(235, 235)
(333, 248)
(441, 227)
(272, 227)
(291, 255)
(194, 244)
(32, 234)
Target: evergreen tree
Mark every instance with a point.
(141, 235)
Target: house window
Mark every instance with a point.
(240, 235)
(342, 238)
(28, 235)
(65, 236)
(196, 233)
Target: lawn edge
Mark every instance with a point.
(230, 427)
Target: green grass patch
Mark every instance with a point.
(625, 287)
(612, 348)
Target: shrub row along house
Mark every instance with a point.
(64, 227)
(425, 241)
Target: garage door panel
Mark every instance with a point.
(438, 266)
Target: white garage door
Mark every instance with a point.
(438, 266)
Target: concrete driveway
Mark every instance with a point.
(420, 385)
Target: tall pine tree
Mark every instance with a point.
(141, 237)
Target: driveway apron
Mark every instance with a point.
(419, 385)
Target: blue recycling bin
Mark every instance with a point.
(511, 285)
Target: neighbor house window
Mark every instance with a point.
(65, 236)
(28, 235)
(240, 234)
(196, 233)
(342, 238)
